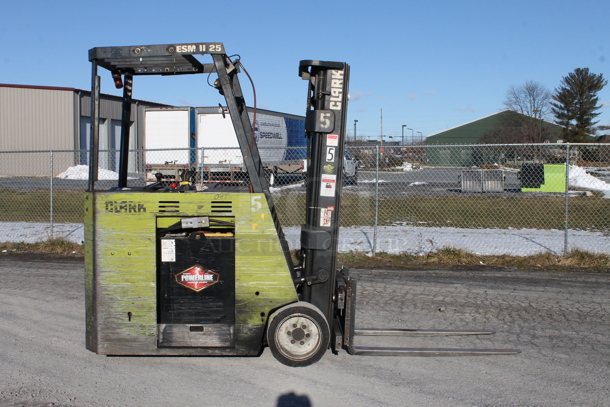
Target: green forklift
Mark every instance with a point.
(202, 268)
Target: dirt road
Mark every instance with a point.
(559, 321)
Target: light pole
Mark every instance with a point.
(403, 134)
(421, 136)
(412, 137)
(355, 138)
(381, 126)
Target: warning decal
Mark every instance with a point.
(328, 185)
(168, 250)
(326, 216)
(332, 140)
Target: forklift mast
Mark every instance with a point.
(330, 290)
(325, 126)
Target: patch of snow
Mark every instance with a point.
(82, 172)
(374, 180)
(407, 167)
(422, 240)
(32, 232)
(284, 187)
(580, 179)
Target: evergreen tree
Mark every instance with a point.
(575, 103)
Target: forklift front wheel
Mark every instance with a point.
(298, 334)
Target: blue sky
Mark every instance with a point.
(430, 65)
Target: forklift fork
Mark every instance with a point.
(346, 324)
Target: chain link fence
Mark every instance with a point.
(516, 199)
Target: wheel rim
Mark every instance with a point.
(298, 337)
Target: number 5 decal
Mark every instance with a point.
(325, 119)
(255, 203)
(330, 154)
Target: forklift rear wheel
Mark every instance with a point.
(298, 334)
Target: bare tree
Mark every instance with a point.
(531, 99)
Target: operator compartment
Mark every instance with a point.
(179, 266)
(195, 281)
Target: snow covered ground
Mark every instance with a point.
(30, 232)
(390, 239)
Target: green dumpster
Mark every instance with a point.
(554, 179)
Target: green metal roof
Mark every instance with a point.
(471, 133)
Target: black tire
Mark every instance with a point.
(298, 334)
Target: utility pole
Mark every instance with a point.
(381, 125)
(355, 138)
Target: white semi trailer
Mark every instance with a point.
(203, 138)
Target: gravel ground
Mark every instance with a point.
(558, 320)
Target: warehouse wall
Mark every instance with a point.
(35, 118)
(38, 118)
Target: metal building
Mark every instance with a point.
(44, 118)
(505, 127)
(473, 132)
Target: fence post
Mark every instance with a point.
(51, 193)
(565, 224)
(376, 199)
